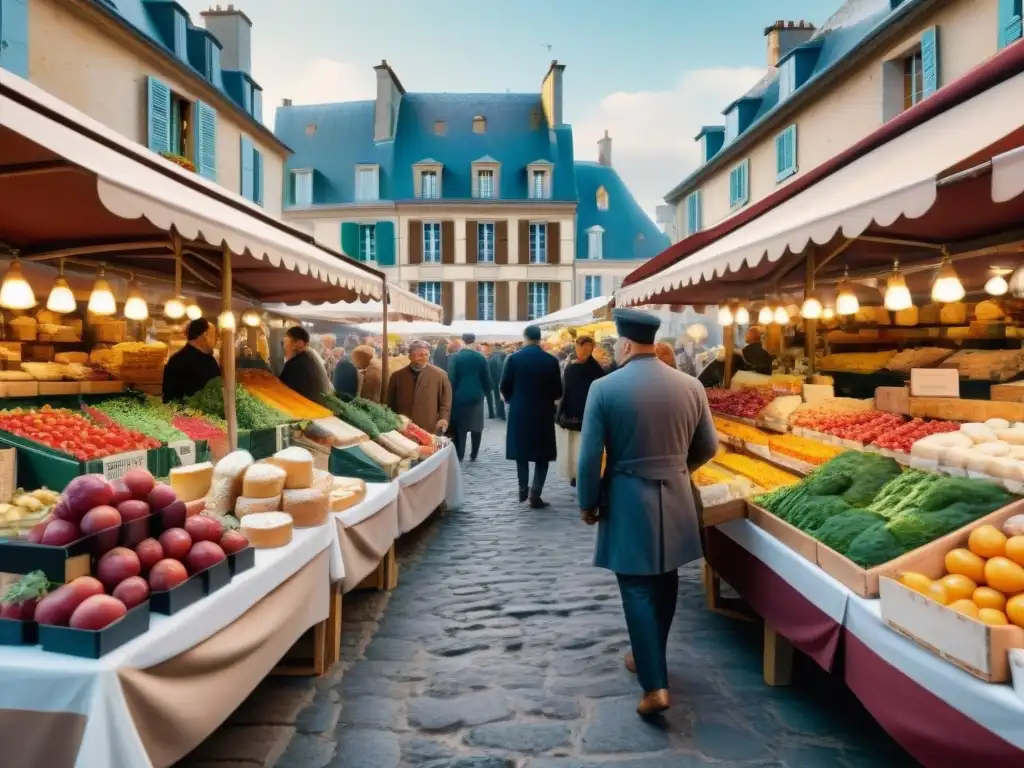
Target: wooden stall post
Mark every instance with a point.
(810, 326)
(729, 332)
(385, 353)
(227, 353)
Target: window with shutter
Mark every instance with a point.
(693, 221)
(738, 185)
(1010, 25)
(206, 140)
(536, 300)
(212, 62)
(257, 177)
(485, 243)
(430, 292)
(591, 287)
(302, 186)
(785, 153)
(385, 245)
(787, 78)
(14, 36)
(181, 36)
(367, 242)
(158, 115)
(431, 242)
(246, 157)
(538, 243)
(930, 61)
(485, 301)
(732, 124)
(350, 239)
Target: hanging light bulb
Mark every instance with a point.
(781, 316)
(766, 316)
(135, 307)
(997, 285)
(226, 321)
(725, 315)
(251, 318)
(15, 292)
(101, 300)
(897, 295)
(846, 299)
(742, 316)
(174, 308)
(194, 311)
(947, 286)
(811, 310)
(61, 300)
(828, 313)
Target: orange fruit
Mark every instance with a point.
(966, 563)
(965, 607)
(986, 597)
(958, 586)
(1004, 575)
(938, 593)
(1015, 610)
(987, 541)
(916, 581)
(992, 616)
(1015, 549)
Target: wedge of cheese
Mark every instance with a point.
(192, 482)
(266, 530)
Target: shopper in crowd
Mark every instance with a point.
(578, 378)
(531, 383)
(345, 377)
(440, 355)
(486, 349)
(303, 370)
(470, 380)
(495, 366)
(191, 367)
(369, 372)
(655, 426)
(757, 358)
(664, 352)
(421, 391)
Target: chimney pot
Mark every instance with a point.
(604, 150)
(286, 102)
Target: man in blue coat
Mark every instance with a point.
(531, 383)
(655, 426)
(471, 383)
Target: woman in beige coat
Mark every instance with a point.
(368, 365)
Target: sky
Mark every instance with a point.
(650, 72)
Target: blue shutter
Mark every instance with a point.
(14, 36)
(246, 165)
(930, 60)
(206, 140)
(385, 244)
(350, 240)
(257, 176)
(180, 36)
(158, 114)
(1010, 13)
(257, 104)
(785, 153)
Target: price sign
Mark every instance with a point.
(284, 433)
(121, 464)
(185, 450)
(934, 382)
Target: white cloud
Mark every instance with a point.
(318, 81)
(652, 131)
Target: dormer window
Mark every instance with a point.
(595, 245)
(538, 177)
(427, 179)
(602, 199)
(486, 178)
(302, 187)
(787, 78)
(367, 183)
(479, 124)
(212, 61)
(181, 35)
(732, 124)
(739, 115)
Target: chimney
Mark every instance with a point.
(784, 36)
(286, 102)
(551, 94)
(233, 31)
(389, 96)
(604, 150)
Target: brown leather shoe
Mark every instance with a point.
(630, 662)
(652, 703)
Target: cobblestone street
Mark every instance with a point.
(502, 648)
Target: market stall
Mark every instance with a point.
(878, 463)
(584, 313)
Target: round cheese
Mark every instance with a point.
(227, 482)
(265, 530)
(307, 506)
(193, 482)
(297, 462)
(346, 493)
(245, 505)
(263, 481)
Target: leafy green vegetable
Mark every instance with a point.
(134, 411)
(251, 412)
(873, 547)
(350, 414)
(385, 419)
(839, 531)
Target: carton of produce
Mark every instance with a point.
(242, 560)
(791, 536)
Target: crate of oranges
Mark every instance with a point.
(966, 604)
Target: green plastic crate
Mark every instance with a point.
(352, 462)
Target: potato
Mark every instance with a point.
(233, 541)
(167, 574)
(176, 543)
(99, 519)
(203, 528)
(132, 591)
(203, 555)
(117, 565)
(140, 482)
(173, 515)
(133, 509)
(161, 496)
(35, 535)
(56, 608)
(86, 492)
(60, 533)
(121, 493)
(97, 612)
(150, 553)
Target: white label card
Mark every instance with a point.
(121, 464)
(186, 451)
(934, 382)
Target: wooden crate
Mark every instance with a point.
(955, 409)
(1007, 393)
(790, 535)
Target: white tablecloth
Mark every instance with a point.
(378, 496)
(995, 707)
(50, 682)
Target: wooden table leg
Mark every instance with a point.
(778, 658)
(333, 639)
(390, 568)
(733, 609)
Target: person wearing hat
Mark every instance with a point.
(191, 367)
(654, 424)
(495, 366)
(421, 391)
(754, 354)
(470, 380)
(369, 373)
(531, 383)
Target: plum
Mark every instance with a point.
(117, 565)
(150, 553)
(203, 555)
(60, 533)
(140, 482)
(176, 543)
(99, 519)
(97, 612)
(167, 574)
(132, 591)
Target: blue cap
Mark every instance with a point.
(635, 325)
(532, 333)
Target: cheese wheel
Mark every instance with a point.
(263, 481)
(298, 464)
(265, 530)
(347, 492)
(227, 482)
(307, 506)
(245, 505)
(191, 483)
(323, 480)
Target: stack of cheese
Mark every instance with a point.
(993, 450)
(306, 492)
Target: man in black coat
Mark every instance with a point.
(531, 384)
(193, 365)
(495, 366)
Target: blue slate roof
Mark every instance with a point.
(629, 233)
(150, 19)
(843, 32)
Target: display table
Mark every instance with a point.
(434, 481)
(940, 714)
(364, 534)
(156, 698)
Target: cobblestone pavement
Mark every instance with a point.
(502, 648)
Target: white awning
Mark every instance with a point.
(484, 330)
(409, 330)
(130, 188)
(577, 314)
(1008, 175)
(404, 304)
(896, 179)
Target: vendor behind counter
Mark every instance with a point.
(756, 357)
(191, 367)
(304, 371)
